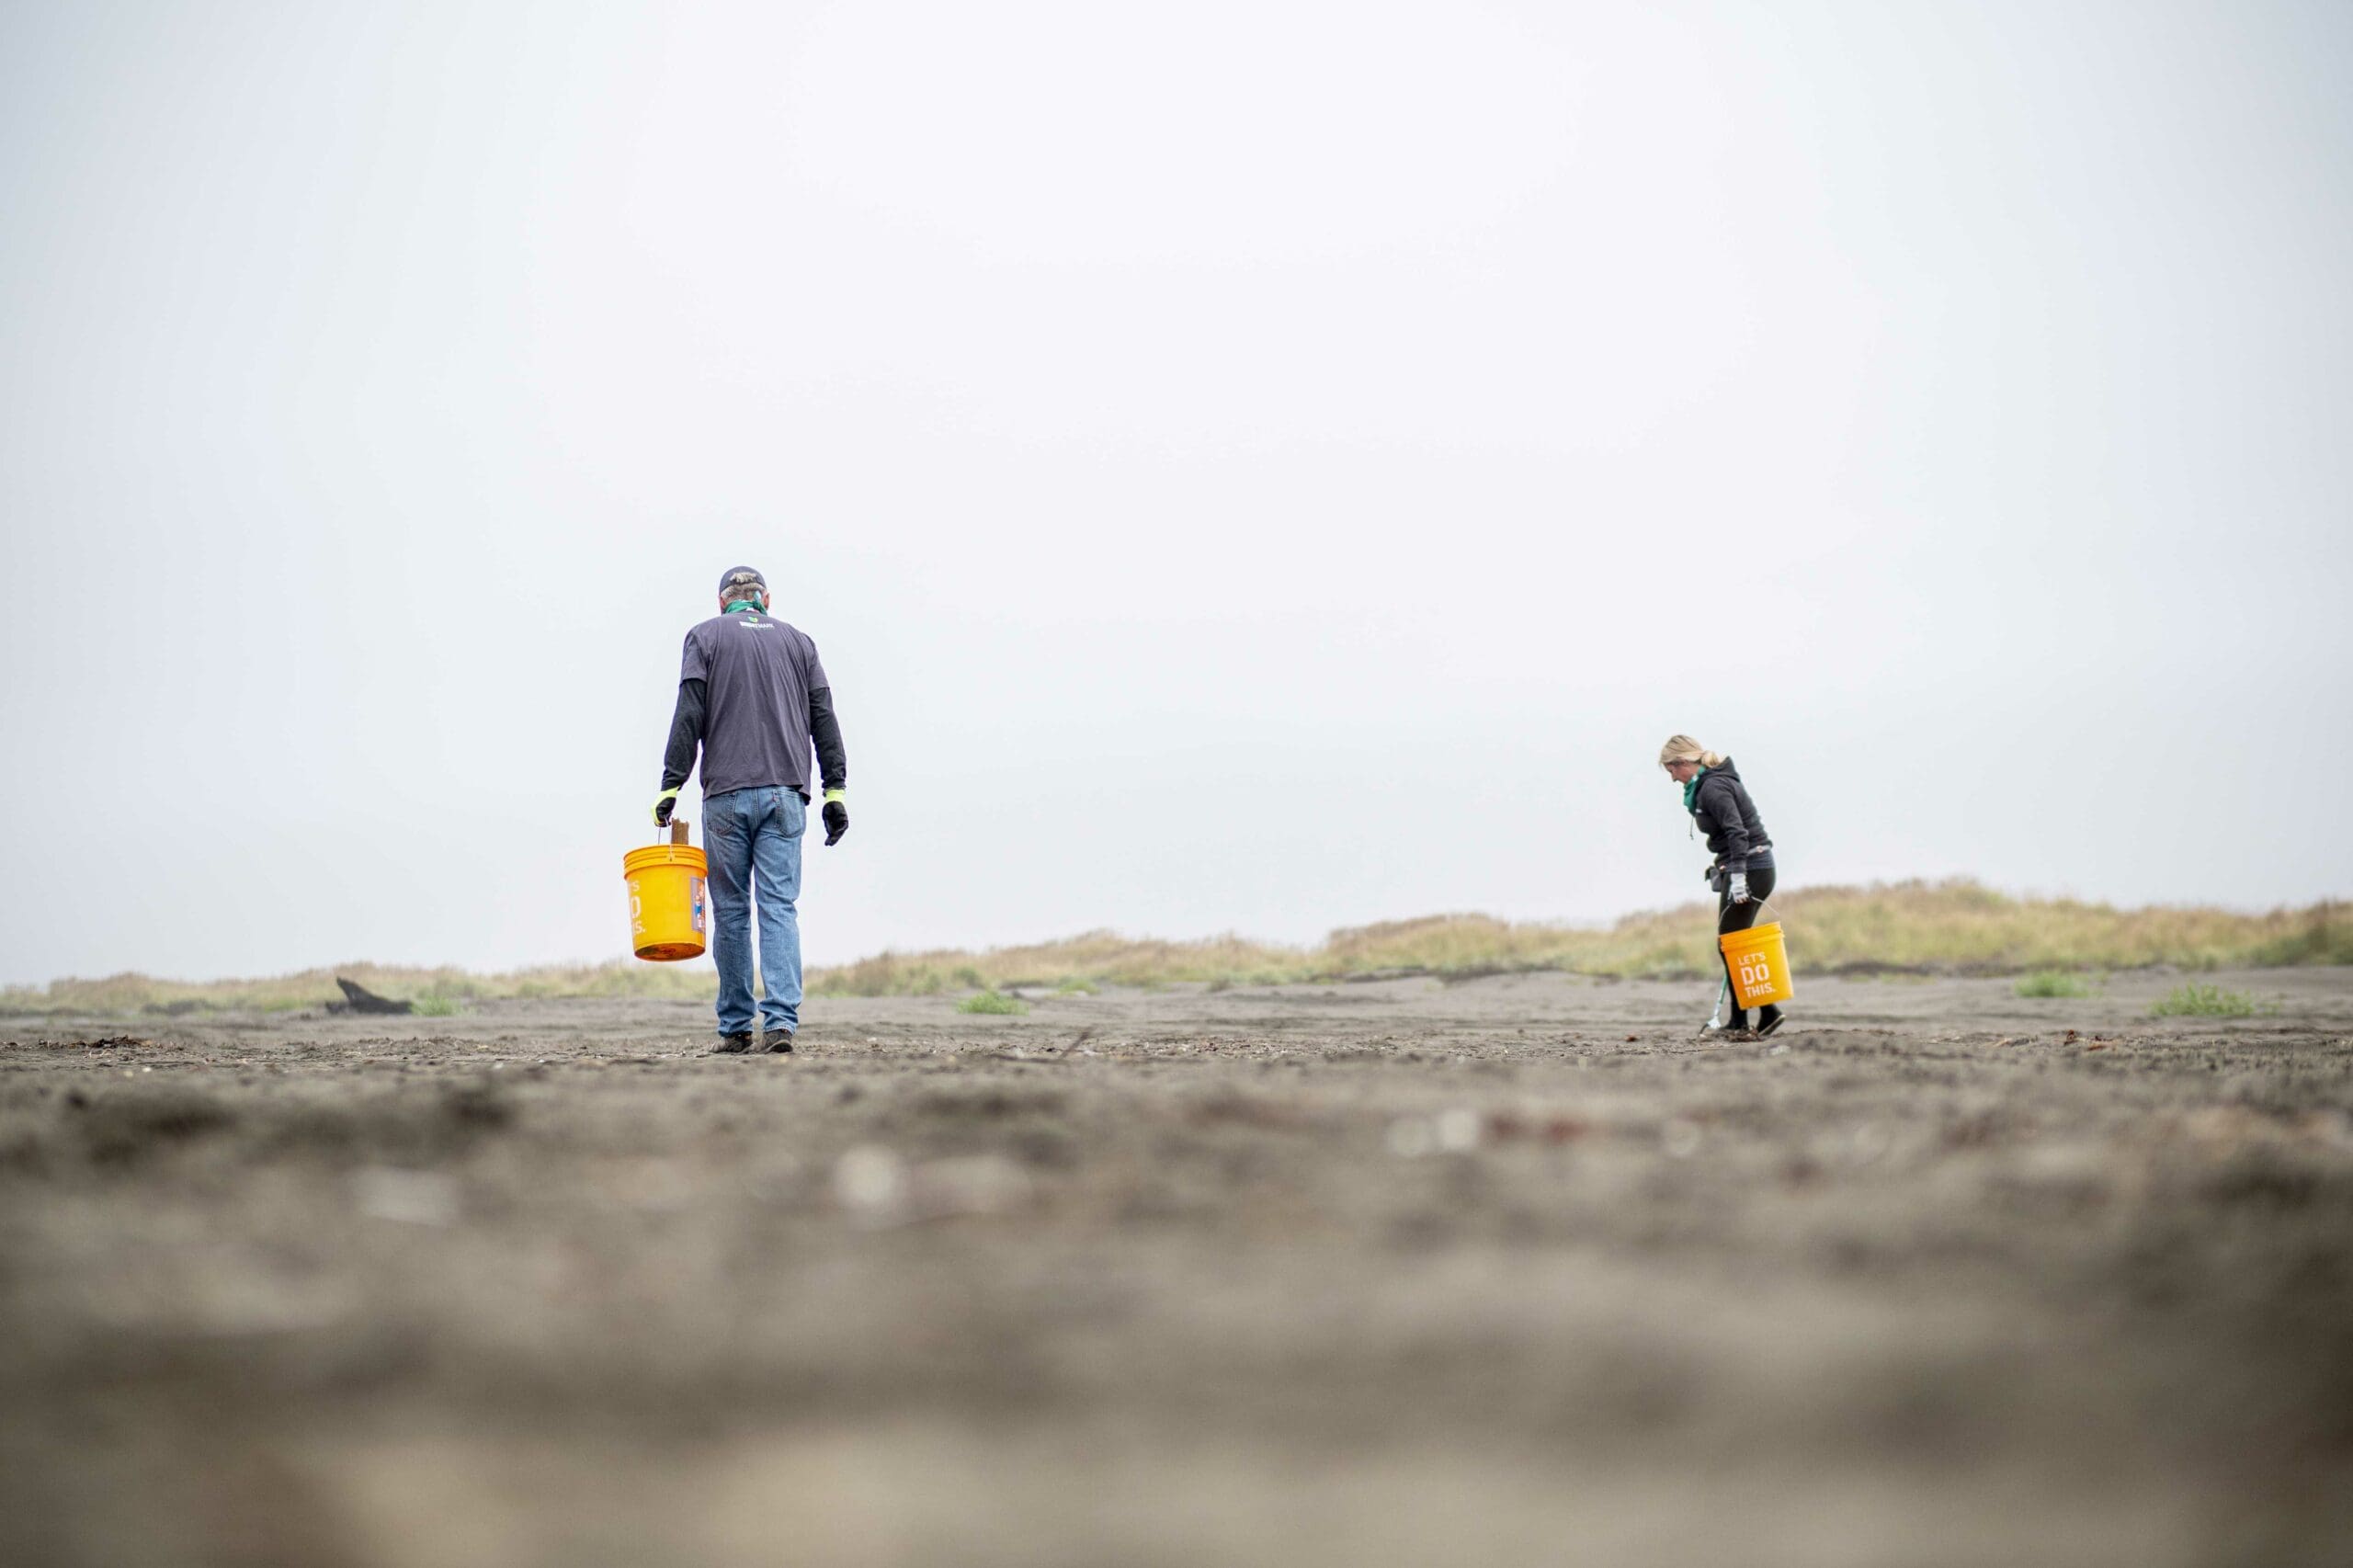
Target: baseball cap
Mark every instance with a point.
(741, 577)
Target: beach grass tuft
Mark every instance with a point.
(2203, 1002)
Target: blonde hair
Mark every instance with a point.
(1683, 748)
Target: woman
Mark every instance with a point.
(1743, 874)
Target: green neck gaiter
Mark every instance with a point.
(751, 604)
(1691, 790)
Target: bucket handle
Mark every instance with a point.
(1762, 904)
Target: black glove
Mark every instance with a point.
(837, 820)
(663, 805)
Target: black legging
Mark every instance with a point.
(1730, 918)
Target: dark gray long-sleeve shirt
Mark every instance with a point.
(753, 695)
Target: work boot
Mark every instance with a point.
(776, 1042)
(733, 1045)
(1767, 1020)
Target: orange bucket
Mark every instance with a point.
(1759, 964)
(669, 900)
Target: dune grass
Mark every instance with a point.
(432, 989)
(1952, 928)
(1949, 927)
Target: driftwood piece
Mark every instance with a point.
(359, 999)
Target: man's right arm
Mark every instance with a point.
(833, 762)
(826, 731)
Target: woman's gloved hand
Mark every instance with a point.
(1740, 887)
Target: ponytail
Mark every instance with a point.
(1683, 748)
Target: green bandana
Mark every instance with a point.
(735, 605)
(1691, 791)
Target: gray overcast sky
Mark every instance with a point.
(1256, 467)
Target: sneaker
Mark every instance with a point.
(776, 1042)
(1770, 1020)
(733, 1045)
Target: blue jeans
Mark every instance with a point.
(753, 837)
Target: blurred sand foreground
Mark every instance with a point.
(1508, 1270)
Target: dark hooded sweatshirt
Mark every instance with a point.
(1728, 817)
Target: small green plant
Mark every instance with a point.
(992, 1001)
(2054, 982)
(1073, 988)
(433, 1004)
(2203, 1002)
(968, 977)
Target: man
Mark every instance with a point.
(753, 695)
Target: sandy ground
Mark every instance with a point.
(1505, 1271)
